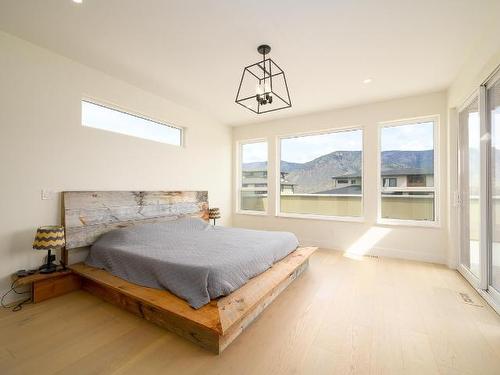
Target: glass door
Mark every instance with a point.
(470, 167)
(479, 197)
(493, 118)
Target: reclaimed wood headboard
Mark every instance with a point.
(88, 214)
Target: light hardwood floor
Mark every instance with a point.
(369, 316)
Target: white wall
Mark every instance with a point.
(44, 146)
(428, 244)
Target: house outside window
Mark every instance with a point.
(408, 170)
(308, 187)
(252, 191)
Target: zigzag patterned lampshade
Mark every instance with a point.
(214, 213)
(49, 238)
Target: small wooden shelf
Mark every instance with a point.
(49, 285)
(39, 276)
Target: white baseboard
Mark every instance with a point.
(490, 300)
(409, 255)
(384, 252)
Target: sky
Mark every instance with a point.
(253, 152)
(306, 148)
(415, 137)
(100, 117)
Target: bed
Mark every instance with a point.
(154, 254)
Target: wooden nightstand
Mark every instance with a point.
(45, 286)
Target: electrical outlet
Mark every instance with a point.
(47, 194)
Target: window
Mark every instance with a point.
(253, 177)
(104, 118)
(408, 156)
(416, 180)
(390, 182)
(315, 173)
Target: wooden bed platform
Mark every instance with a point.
(215, 325)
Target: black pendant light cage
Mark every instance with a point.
(263, 87)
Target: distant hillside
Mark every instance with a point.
(261, 165)
(316, 175)
(408, 159)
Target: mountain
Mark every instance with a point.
(316, 175)
(288, 167)
(255, 166)
(408, 159)
(262, 165)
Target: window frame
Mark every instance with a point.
(463, 168)
(487, 189)
(117, 108)
(239, 146)
(436, 223)
(278, 213)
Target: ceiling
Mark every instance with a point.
(193, 52)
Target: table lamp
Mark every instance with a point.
(49, 238)
(214, 214)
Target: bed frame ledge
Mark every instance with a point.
(215, 325)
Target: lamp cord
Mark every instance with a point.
(16, 306)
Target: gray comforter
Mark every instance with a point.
(190, 258)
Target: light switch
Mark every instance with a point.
(47, 194)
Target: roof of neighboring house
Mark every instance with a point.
(251, 171)
(407, 171)
(348, 175)
(392, 172)
(351, 189)
(255, 171)
(254, 180)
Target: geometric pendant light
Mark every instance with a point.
(263, 86)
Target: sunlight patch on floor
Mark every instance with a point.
(366, 242)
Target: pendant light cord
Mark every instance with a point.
(264, 68)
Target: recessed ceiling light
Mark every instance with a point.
(368, 80)
(78, 1)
